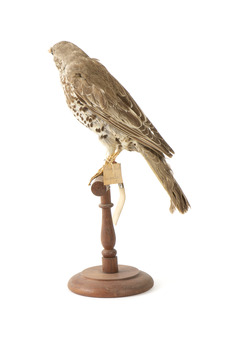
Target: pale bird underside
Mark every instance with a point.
(102, 104)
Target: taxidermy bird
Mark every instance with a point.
(104, 106)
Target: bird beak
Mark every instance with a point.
(50, 50)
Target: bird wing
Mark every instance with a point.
(107, 98)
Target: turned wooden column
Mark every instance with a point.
(108, 237)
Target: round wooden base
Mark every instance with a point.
(92, 282)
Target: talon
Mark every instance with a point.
(99, 172)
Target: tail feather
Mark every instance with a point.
(164, 173)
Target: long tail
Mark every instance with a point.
(164, 173)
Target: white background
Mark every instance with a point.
(175, 58)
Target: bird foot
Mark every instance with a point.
(99, 173)
(110, 160)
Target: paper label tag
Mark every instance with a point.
(112, 174)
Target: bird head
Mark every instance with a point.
(63, 52)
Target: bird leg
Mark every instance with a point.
(110, 160)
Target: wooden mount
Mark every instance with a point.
(109, 280)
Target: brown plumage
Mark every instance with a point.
(102, 104)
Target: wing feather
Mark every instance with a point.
(107, 98)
